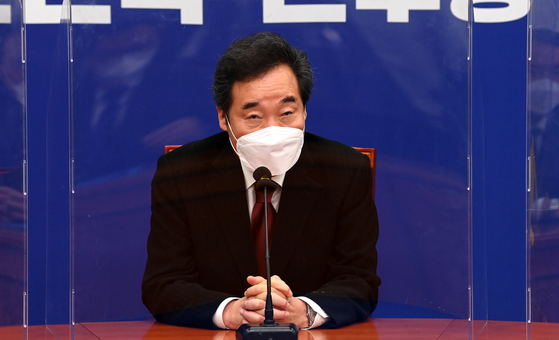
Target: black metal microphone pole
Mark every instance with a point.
(269, 310)
(269, 329)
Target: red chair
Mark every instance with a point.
(370, 152)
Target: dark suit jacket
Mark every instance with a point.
(200, 247)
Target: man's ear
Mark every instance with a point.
(222, 119)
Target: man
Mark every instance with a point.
(202, 268)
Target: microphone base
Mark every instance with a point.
(278, 331)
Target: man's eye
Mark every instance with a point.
(287, 113)
(253, 117)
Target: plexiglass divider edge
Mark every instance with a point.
(499, 165)
(542, 227)
(13, 190)
(58, 257)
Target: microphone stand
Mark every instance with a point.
(269, 329)
(269, 309)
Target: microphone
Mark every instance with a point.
(269, 329)
(263, 178)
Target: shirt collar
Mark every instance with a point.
(249, 180)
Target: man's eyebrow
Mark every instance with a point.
(288, 99)
(250, 105)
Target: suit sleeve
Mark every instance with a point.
(351, 292)
(169, 288)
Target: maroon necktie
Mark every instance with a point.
(259, 231)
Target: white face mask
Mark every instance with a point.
(545, 96)
(275, 147)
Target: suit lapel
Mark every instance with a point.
(298, 197)
(232, 209)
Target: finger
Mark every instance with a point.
(254, 280)
(255, 291)
(261, 291)
(280, 285)
(252, 316)
(253, 304)
(279, 314)
(278, 300)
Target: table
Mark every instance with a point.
(372, 329)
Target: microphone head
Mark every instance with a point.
(263, 178)
(262, 173)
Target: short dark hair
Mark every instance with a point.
(254, 55)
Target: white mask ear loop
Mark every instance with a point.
(233, 133)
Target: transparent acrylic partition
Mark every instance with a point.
(390, 81)
(13, 222)
(543, 139)
(57, 256)
(498, 117)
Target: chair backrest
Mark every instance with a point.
(169, 148)
(370, 152)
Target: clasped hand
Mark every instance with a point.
(250, 308)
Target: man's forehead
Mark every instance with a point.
(281, 86)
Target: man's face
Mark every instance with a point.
(269, 100)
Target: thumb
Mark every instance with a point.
(254, 280)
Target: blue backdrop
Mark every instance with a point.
(129, 77)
